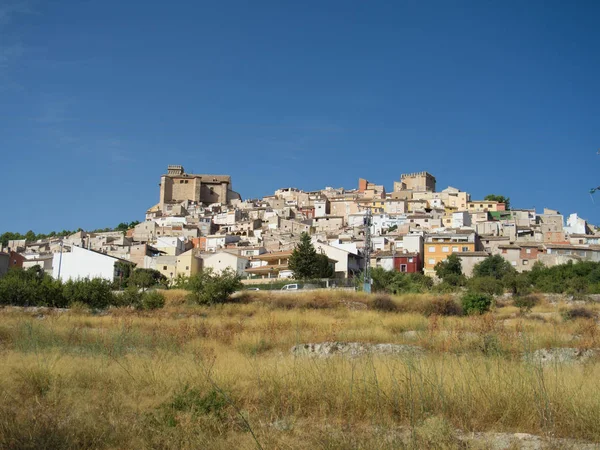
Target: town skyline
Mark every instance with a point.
(137, 217)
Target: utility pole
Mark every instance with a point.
(368, 220)
(60, 258)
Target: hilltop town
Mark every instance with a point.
(201, 222)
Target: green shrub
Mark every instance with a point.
(209, 288)
(578, 313)
(525, 302)
(129, 297)
(152, 300)
(493, 266)
(145, 278)
(191, 399)
(31, 287)
(383, 303)
(486, 285)
(476, 302)
(442, 306)
(96, 293)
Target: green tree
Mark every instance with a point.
(145, 278)
(518, 284)
(499, 199)
(303, 260)
(493, 266)
(450, 270)
(323, 267)
(209, 288)
(486, 285)
(476, 302)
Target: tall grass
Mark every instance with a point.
(224, 377)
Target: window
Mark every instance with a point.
(525, 262)
(164, 267)
(514, 263)
(410, 260)
(187, 267)
(454, 249)
(431, 261)
(402, 267)
(465, 249)
(431, 249)
(445, 249)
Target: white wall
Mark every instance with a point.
(82, 263)
(337, 254)
(320, 208)
(223, 260)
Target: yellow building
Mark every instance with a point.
(188, 264)
(484, 206)
(439, 246)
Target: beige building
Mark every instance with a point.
(418, 181)
(484, 206)
(343, 207)
(188, 263)
(222, 260)
(177, 186)
(328, 224)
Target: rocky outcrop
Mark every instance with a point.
(353, 349)
(565, 355)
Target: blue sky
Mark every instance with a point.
(97, 97)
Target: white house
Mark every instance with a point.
(347, 263)
(461, 219)
(576, 225)
(81, 263)
(170, 245)
(217, 241)
(220, 261)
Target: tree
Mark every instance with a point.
(493, 266)
(323, 267)
(499, 199)
(209, 288)
(476, 303)
(145, 278)
(450, 270)
(304, 258)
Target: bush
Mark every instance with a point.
(486, 284)
(493, 266)
(96, 293)
(525, 302)
(145, 278)
(152, 300)
(383, 303)
(577, 313)
(476, 302)
(442, 306)
(31, 287)
(129, 297)
(209, 288)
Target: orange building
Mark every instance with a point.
(439, 246)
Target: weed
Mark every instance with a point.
(383, 303)
(577, 313)
(443, 306)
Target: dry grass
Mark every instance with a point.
(223, 376)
